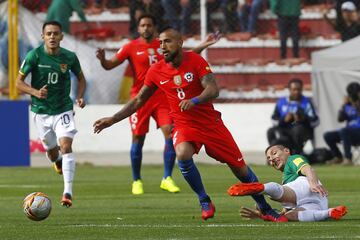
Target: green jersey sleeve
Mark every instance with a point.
(29, 63)
(75, 67)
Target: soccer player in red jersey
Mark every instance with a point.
(142, 53)
(189, 86)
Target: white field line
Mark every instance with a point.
(21, 186)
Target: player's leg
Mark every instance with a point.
(48, 139)
(317, 215)
(64, 126)
(184, 154)
(220, 145)
(139, 122)
(136, 160)
(167, 183)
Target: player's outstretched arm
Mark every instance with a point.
(107, 64)
(129, 108)
(24, 87)
(81, 90)
(211, 91)
(209, 40)
(313, 179)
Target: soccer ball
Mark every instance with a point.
(37, 206)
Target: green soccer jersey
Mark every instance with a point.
(53, 71)
(293, 167)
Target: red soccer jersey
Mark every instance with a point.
(184, 83)
(141, 56)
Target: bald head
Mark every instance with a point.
(171, 44)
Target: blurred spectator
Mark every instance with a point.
(140, 7)
(348, 23)
(288, 13)
(248, 15)
(61, 11)
(184, 8)
(294, 119)
(36, 5)
(350, 134)
(229, 8)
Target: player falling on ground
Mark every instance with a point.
(52, 107)
(142, 53)
(302, 195)
(190, 86)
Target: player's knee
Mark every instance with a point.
(65, 148)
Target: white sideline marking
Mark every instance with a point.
(19, 186)
(192, 226)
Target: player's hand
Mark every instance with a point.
(249, 213)
(318, 188)
(289, 117)
(103, 123)
(42, 92)
(186, 105)
(100, 54)
(213, 38)
(80, 102)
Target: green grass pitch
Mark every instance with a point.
(103, 207)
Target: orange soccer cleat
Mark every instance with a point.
(243, 189)
(338, 212)
(66, 200)
(207, 210)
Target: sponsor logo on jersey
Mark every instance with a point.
(298, 161)
(43, 66)
(139, 52)
(189, 76)
(151, 51)
(63, 67)
(177, 80)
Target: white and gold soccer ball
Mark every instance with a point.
(37, 206)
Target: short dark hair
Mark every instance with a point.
(353, 90)
(295, 80)
(56, 23)
(147, 15)
(281, 146)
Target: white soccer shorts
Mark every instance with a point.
(53, 127)
(304, 197)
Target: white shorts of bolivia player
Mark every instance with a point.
(304, 197)
(53, 127)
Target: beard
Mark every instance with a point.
(147, 35)
(171, 56)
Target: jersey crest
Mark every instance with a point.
(63, 67)
(151, 51)
(189, 76)
(177, 80)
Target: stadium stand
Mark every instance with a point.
(248, 69)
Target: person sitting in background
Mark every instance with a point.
(294, 119)
(350, 134)
(248, 15)
(348, 24)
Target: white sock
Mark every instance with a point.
(313, 215)
(274, 190)
(58, 158)
(68, 169)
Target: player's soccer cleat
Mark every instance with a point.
(272, 216)
(243, 189)
(58, 166)
(338, 212)
(207, 210)
(169, 185)
(66, 200)
(137, 187)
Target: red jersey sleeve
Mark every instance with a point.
(203, 67)
(123, 53)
